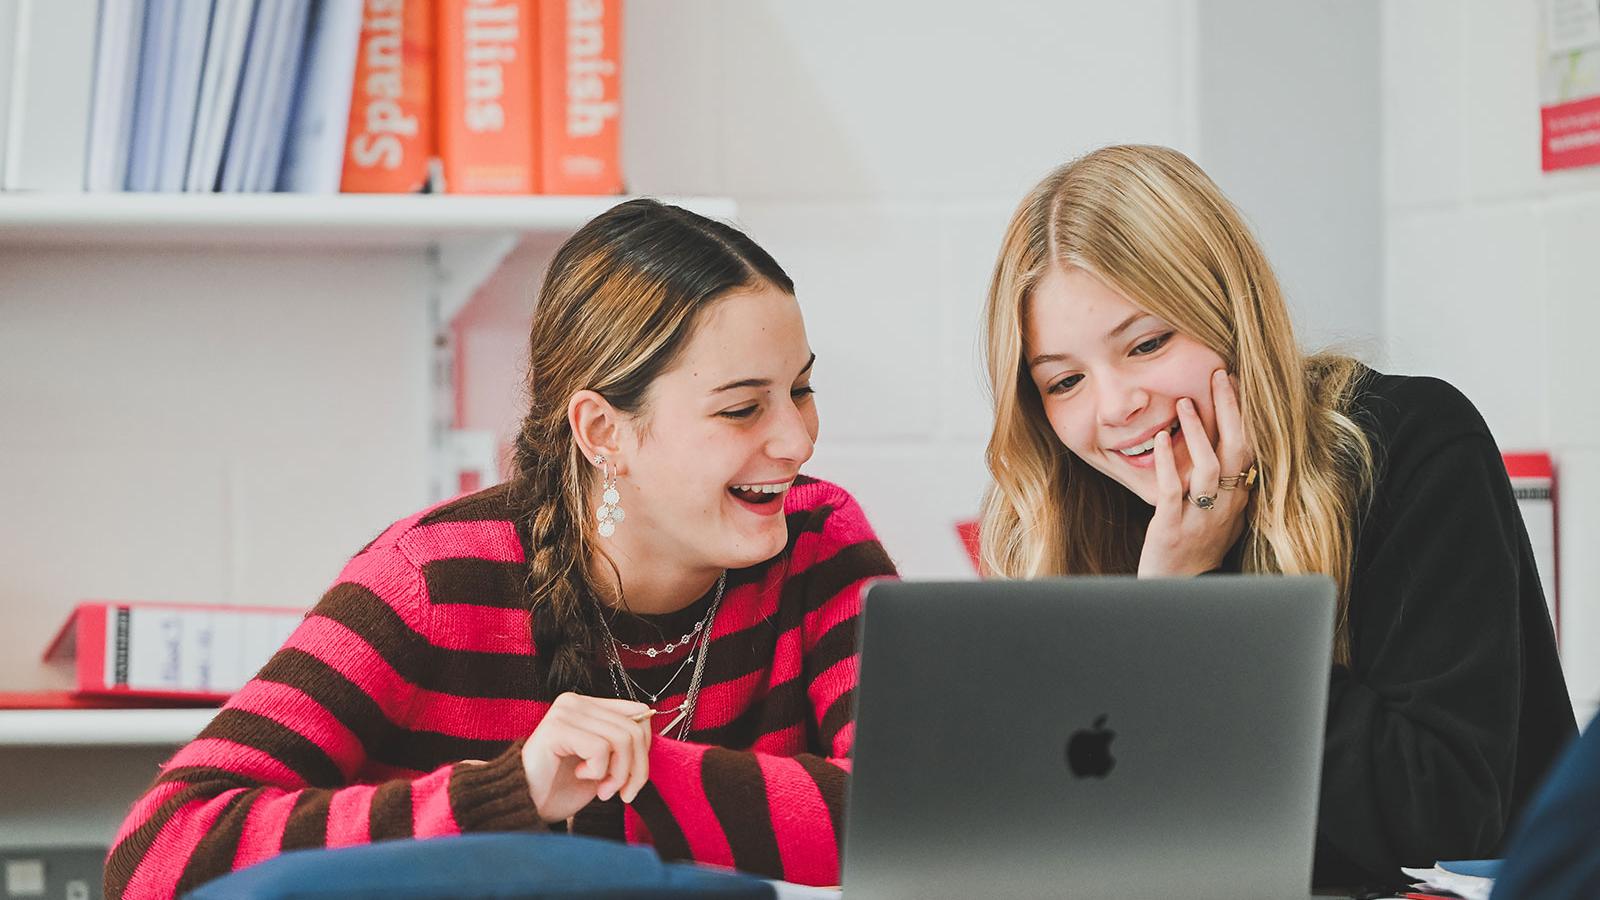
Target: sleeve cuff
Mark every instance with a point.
(493, 796)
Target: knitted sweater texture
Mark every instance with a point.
(367, 723)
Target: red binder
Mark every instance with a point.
(168, 651)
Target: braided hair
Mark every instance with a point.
(619, 303)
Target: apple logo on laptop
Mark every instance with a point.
(1089, 751)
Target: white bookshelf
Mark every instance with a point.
(468, 237)
(101, 727)
(394, 221)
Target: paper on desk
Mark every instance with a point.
(1470, 887)
(788, 890)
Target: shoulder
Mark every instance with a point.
(1411, 419)
(825, 520)
(463, 551)
(1414, 407)
(482, 525)
(1423, 431)
(814, 505)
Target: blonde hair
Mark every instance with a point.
(1151, 225)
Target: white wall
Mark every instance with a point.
(877, 151)
(1492, 276)
(232, 430)
(199, 426)
(1290, 129)
(878, 155)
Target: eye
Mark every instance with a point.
(743, 412)
(1064, 385)
(1148, 347)
(802, 392)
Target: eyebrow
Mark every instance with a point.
(760, 382)
(1111, 335)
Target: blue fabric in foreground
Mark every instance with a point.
(1554, 853)
(501, 866)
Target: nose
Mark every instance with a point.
(789, 437)
(1118, 399)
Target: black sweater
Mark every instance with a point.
(1454, 704)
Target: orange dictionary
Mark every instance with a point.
(580, 104)
(390, 140)
(485, 93)
(168, 651)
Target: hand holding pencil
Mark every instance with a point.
(587, 748)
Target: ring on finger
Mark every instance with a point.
(1245, 479)
(1204, 501)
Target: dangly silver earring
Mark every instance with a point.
(609, 513)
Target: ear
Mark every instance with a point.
(596, 426)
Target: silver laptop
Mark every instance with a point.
(1089, 737)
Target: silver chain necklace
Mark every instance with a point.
(655, 694)
(697, 655)
(670, 648)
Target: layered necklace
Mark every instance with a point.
(698, 642)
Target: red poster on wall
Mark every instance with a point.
(1571, 134)
(1569, 84)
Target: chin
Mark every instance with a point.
(1146, 494)
(754, 549)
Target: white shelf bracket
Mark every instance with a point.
(461, 266)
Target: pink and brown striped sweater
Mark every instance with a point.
(420, 657)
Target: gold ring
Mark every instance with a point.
(1246, 478)
(1203, 501)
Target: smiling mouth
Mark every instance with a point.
(1149, 446)
(760, 494)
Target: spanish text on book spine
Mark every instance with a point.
(580, 76)
(390, 139)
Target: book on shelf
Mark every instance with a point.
(311, 96)
(190, 27)
(254, 147)
(485, 70)
(314, 157)
(171, 54)
(266, 156)
(1533, 483)
(579, 76)
(116, 78)
(390, 136)
(219, 86)
(168, 651)
(529, 96)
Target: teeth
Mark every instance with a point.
(1149, 445)
(763, 488)
(1145, 447)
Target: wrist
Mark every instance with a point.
(534, 777)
